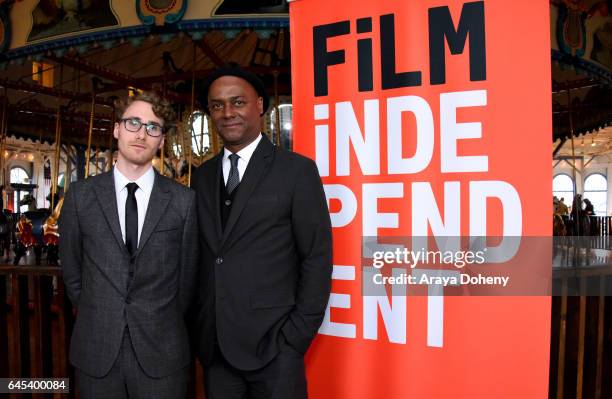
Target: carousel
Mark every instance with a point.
(63, 64)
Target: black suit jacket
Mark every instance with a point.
(266, 277)
(96, 269)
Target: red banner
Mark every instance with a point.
(426, 118)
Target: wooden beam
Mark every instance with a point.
(581, 336)
(53, 92)
(562, 337)
(95, 69)
(73, 132)
(14, 109)
(573, 167)
(209, 52)
(601, 314)
(589, 161)
(575, 84)
(569, 157)
(35, 326)
(202, 73)
(14, 333)
(556, 150)
(588, 106)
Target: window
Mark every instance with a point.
(200, 138)
(19, 175)
(563, 187)
(177, 150)
(596, 190)
(286, 123)
(43, 73)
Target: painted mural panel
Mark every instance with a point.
(58, 17)
(583, 29)
(229, 7)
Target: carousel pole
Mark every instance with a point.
(162, 151)
(58, 135)
(68, 173)
(3, 136)
(58, 146)
(164, 90)
(277, 109)
(213, 136)
(180, 134)
(3, 129)
(571, 129)
(582, 303)
(91, 120)
(161, 159)
(202, 135)
(99, 144)
(96, 155)
(190, 153)
(110, 141)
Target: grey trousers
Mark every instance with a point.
(126, 379)
(283, 378)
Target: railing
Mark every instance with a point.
(597, 228)
(36, 320)
(601, 225)
(580, 333)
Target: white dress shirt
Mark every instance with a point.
(245, 156)
(143, 194)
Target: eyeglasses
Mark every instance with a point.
(134, 124)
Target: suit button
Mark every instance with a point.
(228, 202)
(219, 261)
(128, 300)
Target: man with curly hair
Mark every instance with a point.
(128, 249)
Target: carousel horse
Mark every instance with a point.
(30, 230)
(25, 238)
(51, 235)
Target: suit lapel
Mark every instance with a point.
(216, 194)
(258, 164)
(159, 200)
(107, 199)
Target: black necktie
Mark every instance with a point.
(131, 219)
(233, 179)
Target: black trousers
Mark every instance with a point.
(127, 379)
(283, 378)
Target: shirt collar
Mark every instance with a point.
(144, 182)
(246, 153)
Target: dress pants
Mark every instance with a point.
(283, 378)
(127, 379)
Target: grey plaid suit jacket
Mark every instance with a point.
(148, 293)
